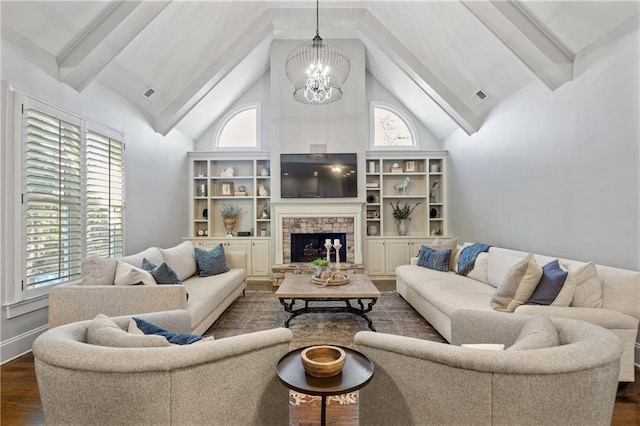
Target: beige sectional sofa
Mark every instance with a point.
(437, 295)
(229, 381)
(205, 298)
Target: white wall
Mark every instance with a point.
(557, 172)
(155, 173)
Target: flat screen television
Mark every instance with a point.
(319, 175)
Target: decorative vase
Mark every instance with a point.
(229, 224)
(402, 226)
(319, 271)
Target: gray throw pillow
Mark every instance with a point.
(211, 262)
(163, 273)
(539, 332)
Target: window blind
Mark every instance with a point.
(52, 200)
(104, 195)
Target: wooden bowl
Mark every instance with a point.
(323, 361)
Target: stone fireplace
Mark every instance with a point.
(328, 220)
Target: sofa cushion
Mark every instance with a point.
(588, 291)
(537, 333)
(104, 332)
(211, 262)
(181, 258)
(517, 286)
(434, 259)
(163, 273)
(553, 289)
(179, 339)
(152, 253)
(443, 290)
(127, 274)
(99, 270)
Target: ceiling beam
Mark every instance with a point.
(88, 53)
(259, 31)
(536, 50)
(374, 32)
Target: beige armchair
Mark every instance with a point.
(418, 382)
(230, 381)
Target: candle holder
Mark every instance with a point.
(337, 246)
(328, 247)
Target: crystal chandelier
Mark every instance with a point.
(317, 69)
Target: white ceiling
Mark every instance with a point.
(200, 56)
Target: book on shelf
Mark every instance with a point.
(396, 170)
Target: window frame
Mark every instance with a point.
(21, 299)
(405, 119)
(230, 116)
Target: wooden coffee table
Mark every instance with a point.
(357, 296)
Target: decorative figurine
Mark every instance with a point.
(263, 191)
(401, 188)
(227, 172)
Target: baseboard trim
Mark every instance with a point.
(20, 344)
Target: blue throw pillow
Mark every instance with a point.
(163, 273)
(211, 262)
(179, 339)
(550, 285)
(433, 259)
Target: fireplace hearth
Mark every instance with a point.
(310, 246)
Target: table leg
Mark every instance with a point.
(323, 411)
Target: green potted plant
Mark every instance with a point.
(230, 213)
(402, 214)
(320, 264)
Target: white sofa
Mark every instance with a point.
(437, 295)
(205, 298)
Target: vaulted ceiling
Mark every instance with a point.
(200, 56)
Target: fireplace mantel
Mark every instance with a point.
(280, 211)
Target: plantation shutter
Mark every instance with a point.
(52, 202)
(104, 195)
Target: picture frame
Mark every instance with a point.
(410, 166)
(372, 214)
(226, 188)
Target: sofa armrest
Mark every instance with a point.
(70, 302)
(468, 326)
(236, 259)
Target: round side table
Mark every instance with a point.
(356, 373)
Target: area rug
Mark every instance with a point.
(261, 310)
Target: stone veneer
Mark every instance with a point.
(316, 225)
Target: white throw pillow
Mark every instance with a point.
(499, 265)
(479, 271)
(588, 291)
(182, 258)
(127, 274)
(484, 346)
(518, 285)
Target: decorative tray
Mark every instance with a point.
(334, 279)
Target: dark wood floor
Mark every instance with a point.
(21, 401)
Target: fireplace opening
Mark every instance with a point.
(308, 247)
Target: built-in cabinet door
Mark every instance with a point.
(376, 257)
(396, 255)
(414, 247)
(260, 258)
(239, 245)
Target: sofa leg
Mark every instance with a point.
(242, 293)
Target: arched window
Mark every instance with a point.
(390, 128)
(240, 130)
